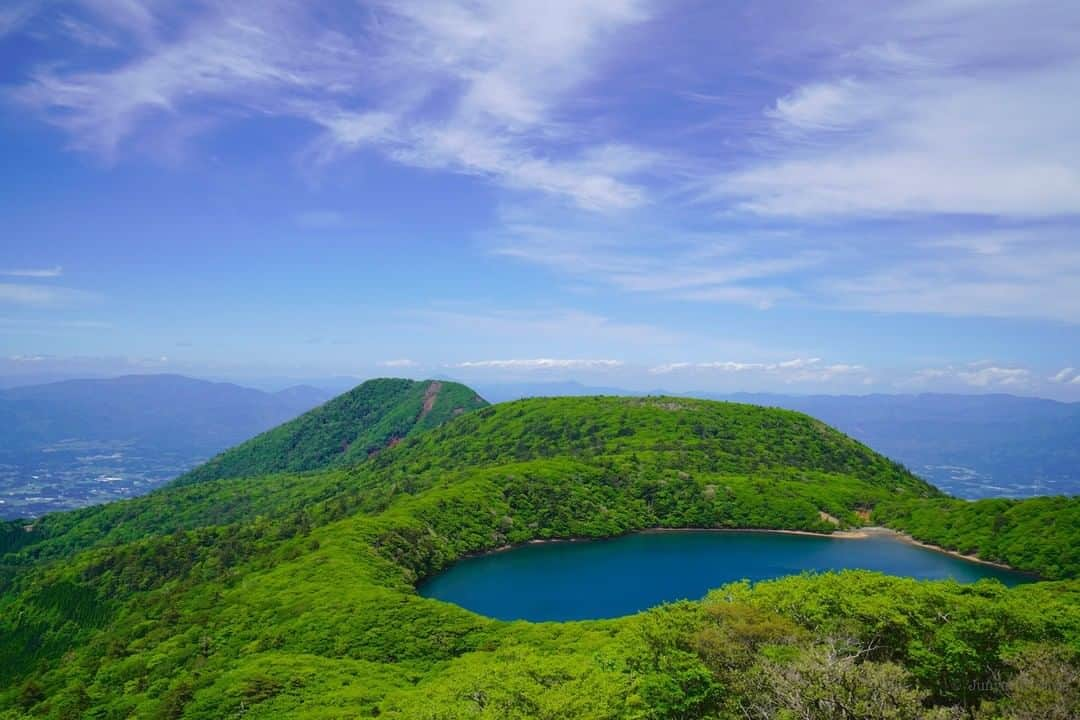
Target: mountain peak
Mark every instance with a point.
(374, 415)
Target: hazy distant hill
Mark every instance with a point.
(969, 445)
(168, 411)
(75, 442)
(348, 429)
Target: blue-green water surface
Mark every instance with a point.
(608, 578)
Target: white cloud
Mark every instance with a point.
(51, 272)
(541, 364)
(969, 109)
(243, 55)
(1029, 272)
(509, 67)
(749, 268)
(1065, 375)
(982, 375)
(787, 371)
(42, 295)
(84, 33)
(915, 112)
(399, 363)
(80, 366)
(994, 376)
(469, 87)
(820, 106)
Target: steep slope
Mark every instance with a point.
(309, 609)
(370, 417)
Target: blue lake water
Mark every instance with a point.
(608, 578)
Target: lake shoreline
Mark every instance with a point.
(904, 537)
(861, 533)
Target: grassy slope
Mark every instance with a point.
(310, 611)
(343, 431)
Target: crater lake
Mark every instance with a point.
(591, 579)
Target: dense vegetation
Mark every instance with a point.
(293, 595)
(1038, 534)
(345, 430)
(1007, 441)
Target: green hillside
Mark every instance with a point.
(345, 430)
(294, 596)
(1041, 534)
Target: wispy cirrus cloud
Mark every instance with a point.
(47, 272)
(1022, 272)
(1015, 272)
(28, 291)
(909, 120)
(474, 88)
(508, 68)
(906, 157)
(43, 295)
(754, 268)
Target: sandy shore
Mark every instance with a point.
(860, 533)
(904, 537)
(841, 534)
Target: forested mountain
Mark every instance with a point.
(371, 417)
(294, 595)
(973, 446)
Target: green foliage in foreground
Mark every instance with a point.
(345, 430)
(1038, 534)
(293, 596)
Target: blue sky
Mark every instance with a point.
(785, 196)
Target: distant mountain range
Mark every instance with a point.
(972, 446)
(79, 442)
(170, 411)
(76, 442)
